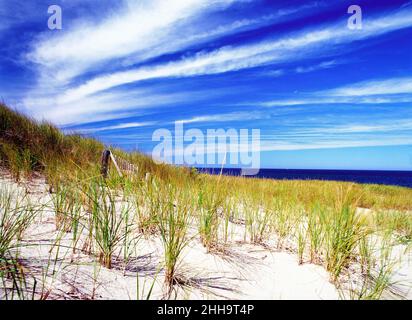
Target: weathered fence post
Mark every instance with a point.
(107, 155)
(105, 163)
(115, 164)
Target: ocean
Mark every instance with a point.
(396, 178)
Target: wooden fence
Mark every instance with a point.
(122, 166)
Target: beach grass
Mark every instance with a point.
(334, 224)
(174, 216)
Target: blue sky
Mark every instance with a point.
(323, 95)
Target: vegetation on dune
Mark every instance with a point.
(28, 145)
(319, 220)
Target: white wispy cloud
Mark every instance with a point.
(334, 144)
(227, 117)
(335, 100)
(302, 69)
(331, 135)
(384, 91)
(225, 59)
(362, 128)
(375, 87)
(141, 28)
(197, 36)
(128, 125)
(105, 106)
(319, 66)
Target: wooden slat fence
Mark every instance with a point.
(122, 166)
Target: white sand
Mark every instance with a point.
(244, 271)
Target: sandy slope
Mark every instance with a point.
(243, 271)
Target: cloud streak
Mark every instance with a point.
(128, 125)
(386, 91)
(138, 28)
(228, 59)
(376, 87)
(227, 117)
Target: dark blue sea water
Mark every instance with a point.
(397, 178)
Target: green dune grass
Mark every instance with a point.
(321, 218)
